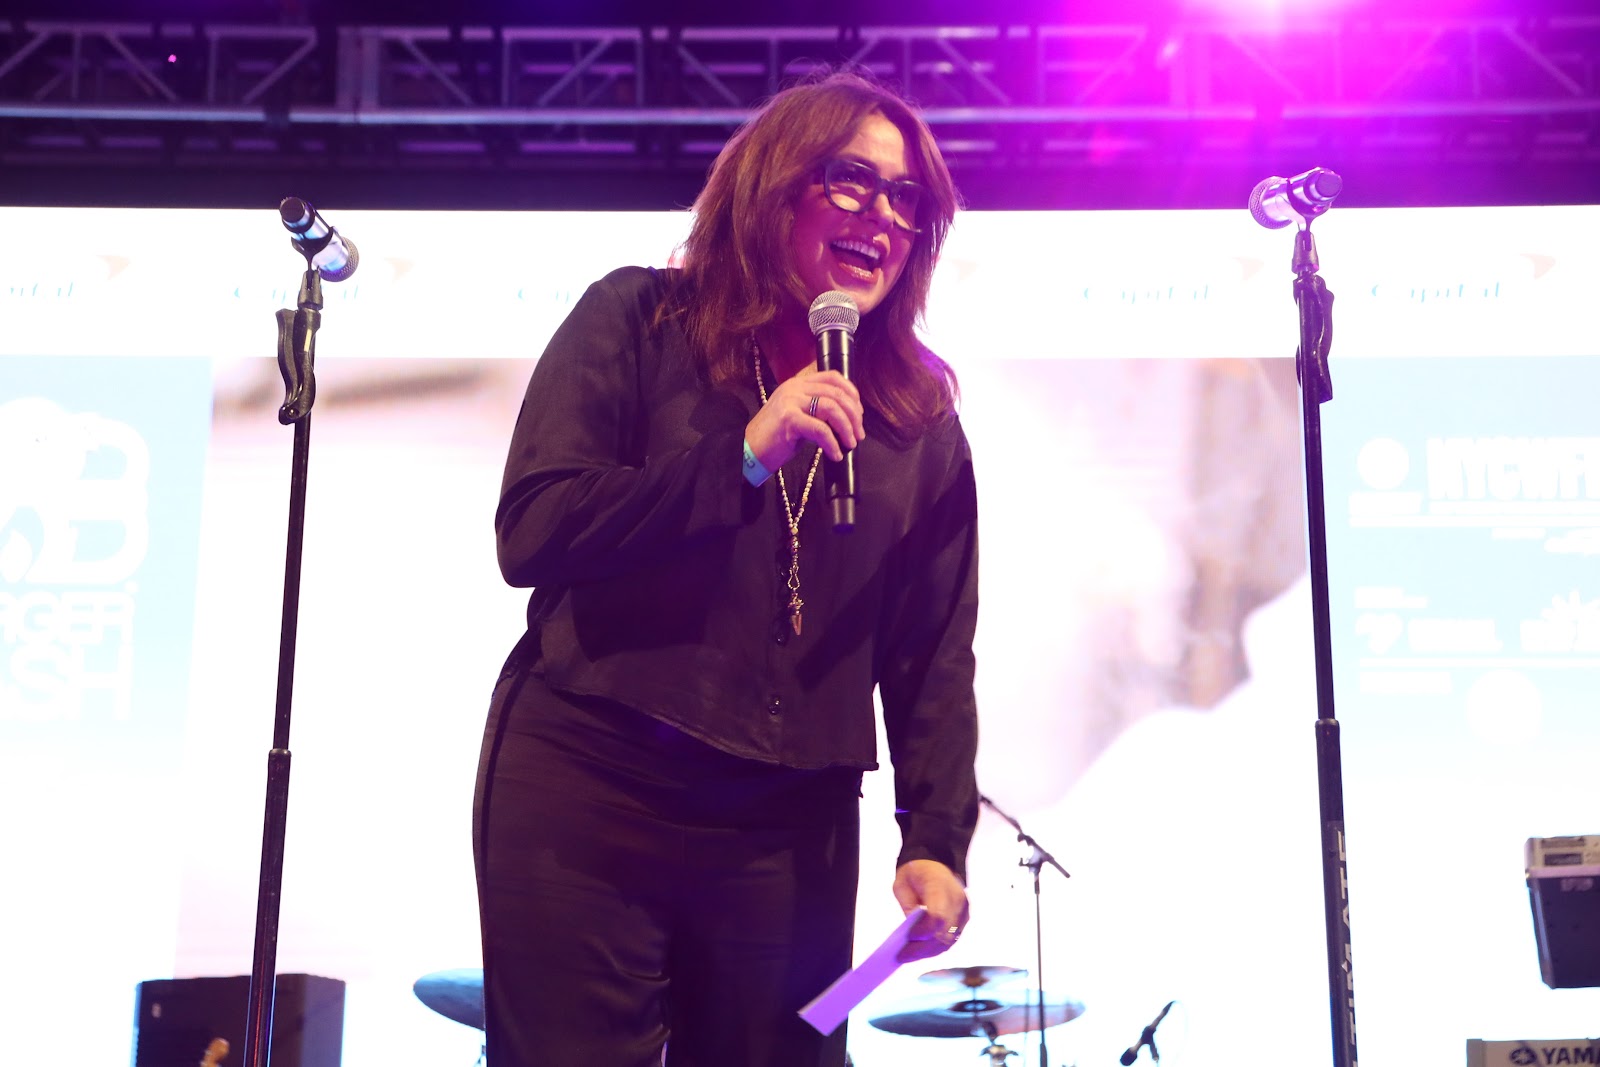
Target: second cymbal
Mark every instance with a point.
(455, 994)
(1021, 1018)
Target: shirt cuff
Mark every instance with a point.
(754, 472)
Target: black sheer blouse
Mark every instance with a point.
(659, 574)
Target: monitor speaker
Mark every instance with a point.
(178, 1018)
(1564, 892)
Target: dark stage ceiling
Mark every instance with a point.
(623, 104)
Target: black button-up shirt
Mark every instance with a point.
(659, 572)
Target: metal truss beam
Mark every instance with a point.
(1510, 88)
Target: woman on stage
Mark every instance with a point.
(666, 818)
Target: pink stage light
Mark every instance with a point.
(1273, 11)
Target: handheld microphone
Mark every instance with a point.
(1277, 202)
(833, 320)
(335, 256)
(1146, 1038)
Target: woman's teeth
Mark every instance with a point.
(857, 257)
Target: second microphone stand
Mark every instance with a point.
(1036, 860)
(1315, 305)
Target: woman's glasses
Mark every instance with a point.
(854, 187)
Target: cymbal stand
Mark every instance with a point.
(1035, 862)
(997, 1053)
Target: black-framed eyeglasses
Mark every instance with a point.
(854, 187)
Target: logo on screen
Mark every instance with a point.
(74, 529)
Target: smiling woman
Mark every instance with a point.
(666, 826)
(860, 249)
(768, 192)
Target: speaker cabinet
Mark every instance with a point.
(178, 1018)
(1564, 893)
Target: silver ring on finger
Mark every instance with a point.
(812, 410)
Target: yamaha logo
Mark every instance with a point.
(1555, 1055)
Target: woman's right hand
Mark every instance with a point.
(823, 407)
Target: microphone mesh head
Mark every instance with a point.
(1258, 204)
(340, 271)
(834, 310)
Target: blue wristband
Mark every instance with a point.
(754, 472)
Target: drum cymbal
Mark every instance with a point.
(961, 1019)
(971, 977)
(456, 994)
(1021, 1018)
(977, 1017)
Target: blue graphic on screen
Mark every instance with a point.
(1464, 518)
(99, 529)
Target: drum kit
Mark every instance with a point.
(978, 1010)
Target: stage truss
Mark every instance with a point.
(1072, 95)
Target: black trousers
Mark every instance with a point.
(641, 891)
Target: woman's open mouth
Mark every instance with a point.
(859, 258)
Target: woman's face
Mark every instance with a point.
(860, 254)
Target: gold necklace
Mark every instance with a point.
(790, 511)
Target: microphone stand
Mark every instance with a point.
(297, 332)
(1035, 862)
(1315, 305)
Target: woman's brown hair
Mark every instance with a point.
(739, 270)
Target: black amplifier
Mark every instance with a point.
(179, 1018)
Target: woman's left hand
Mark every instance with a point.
(932, 885)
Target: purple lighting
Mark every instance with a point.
(1273, 10)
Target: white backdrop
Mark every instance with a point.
(1144, 649)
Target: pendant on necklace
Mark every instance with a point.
(795, 604)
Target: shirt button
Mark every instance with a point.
(774, 705)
